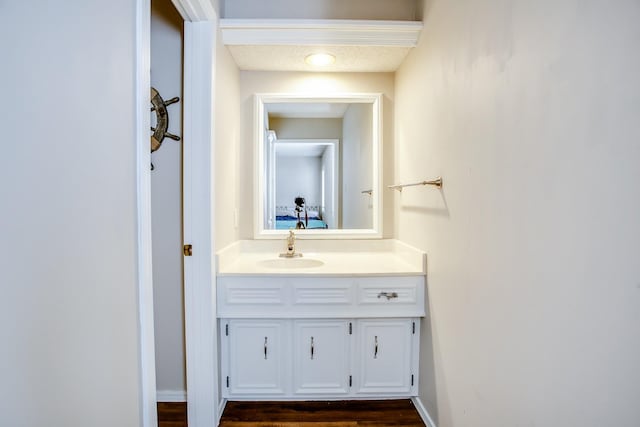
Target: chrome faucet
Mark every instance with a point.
(291, 247)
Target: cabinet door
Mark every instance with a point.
(257, 357)
(321, 357)
(383, 359)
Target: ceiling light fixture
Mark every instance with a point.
(320, 59)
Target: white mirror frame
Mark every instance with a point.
(259, 183)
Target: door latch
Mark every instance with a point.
(187, 250)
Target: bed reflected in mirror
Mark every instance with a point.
(318, 161)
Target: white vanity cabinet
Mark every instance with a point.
(257, 357)
(320, 337)
(385, 361)
(321, 350)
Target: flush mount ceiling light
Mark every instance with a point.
(320, 59)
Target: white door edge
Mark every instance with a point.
(198, 209)
(146, 343)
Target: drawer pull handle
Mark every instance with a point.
(388, 295)
(311, 348)
(265, 348)
(375, 349)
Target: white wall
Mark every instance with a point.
(227, 147)
(322, 84)
(68, 269)
(298, 176)
(357, 167)
(321, 9)
(306, 128)
(166, 204)
(529, 111)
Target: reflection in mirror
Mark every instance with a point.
(303, 194)
(318, 165)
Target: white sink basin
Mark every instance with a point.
(291, 263)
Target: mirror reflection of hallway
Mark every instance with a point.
(308, 169)
(324, 152)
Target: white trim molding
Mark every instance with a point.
(261, 101)
(221, 406)
(146, 339)
(195, 10)
(334, 32)
(422, 411)
(172, 395)
(200, 36)
(199, 278)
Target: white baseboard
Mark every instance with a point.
(221, 407)
(422, 411)
(171, 396)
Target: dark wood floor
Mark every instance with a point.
(352, 413)
(172, 414)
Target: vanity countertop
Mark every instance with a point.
(321, 258)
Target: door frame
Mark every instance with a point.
(201, 346)
(201, 23)
(146, 336)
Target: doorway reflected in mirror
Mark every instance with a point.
(326, 152)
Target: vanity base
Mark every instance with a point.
(319, 359)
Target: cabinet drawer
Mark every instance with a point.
(405, 290)
(320, 297)
(250, 292)
(323, 291)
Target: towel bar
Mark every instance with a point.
(435, 182)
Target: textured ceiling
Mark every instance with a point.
(291, 58)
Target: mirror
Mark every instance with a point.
(318, 165)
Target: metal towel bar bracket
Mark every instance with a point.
(435, 182)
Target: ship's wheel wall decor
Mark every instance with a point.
(159, 132)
